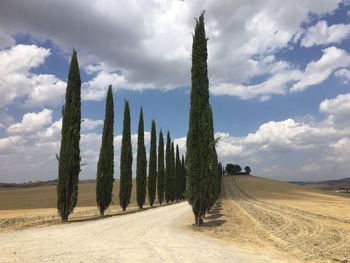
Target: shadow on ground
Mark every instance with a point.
(212, 218)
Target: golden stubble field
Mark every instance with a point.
(36, 206)
(295, 223)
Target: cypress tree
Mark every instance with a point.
(152, 172)
(168, 170)
(125, 185)
(173, 173)
(219, 179)
(141, 165)
(105, 165)
(160, 177)
(183, 186)
(213, 165)
(178, 173)
(200, 140)
(69, 157)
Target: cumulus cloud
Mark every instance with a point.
(31, 123)
(155, 51)
(321, 34)
(317, 71)
(295, 149)
(15, 72)
(338, 110)
(89, 124)
(286, 79)
(343, 74)
(276, 84)
(341, 150)
(45, 90)
(7, 144)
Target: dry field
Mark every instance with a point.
(36, 206)
(295, 223)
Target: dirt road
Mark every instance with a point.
(155, 235)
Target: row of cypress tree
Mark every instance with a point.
(203, 173)
(166, 180)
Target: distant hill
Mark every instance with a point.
(328, 184)
(39, 183)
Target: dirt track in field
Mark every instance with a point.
(295, 224)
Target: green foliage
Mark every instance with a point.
(178, 173)
(125, 161)
(152, 172)
(247, 169)
(233, 169)
(168, 182)
(141, 165)
(183, 178)
(201, 158)
(105, 165)
(69, 157)
(160, 178)
(172, 174)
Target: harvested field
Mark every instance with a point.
(294, 222)
(36, 206)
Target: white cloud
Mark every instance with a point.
(321, 34)
(284, 78)
(276, 84)
(45, 90)
(5, 119)
(317, 71)
(338, 110)
(96, 88)
(155, 53)
(292, 149)
(7, 144)
(16, 79)
(89, 124)
(51, 133)
(344, 74)
(341, 150)
(31, 123)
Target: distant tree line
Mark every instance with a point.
(235, 169)
(166, 172)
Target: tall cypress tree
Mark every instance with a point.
(200, 139)
(183, 186)
(178, 173)
(212, 193)
(152, 169)
(168, 170)
(105, 165)
(69, 157)
(125, 185)
(172, 173)
(160, 177)
(141, 165)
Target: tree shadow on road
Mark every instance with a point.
(214, 223)
(214, 216)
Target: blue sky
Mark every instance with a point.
(279, 80)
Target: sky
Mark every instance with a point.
(279, 77)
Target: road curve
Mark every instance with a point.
(154, 235)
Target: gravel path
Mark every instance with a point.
(154, 235)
